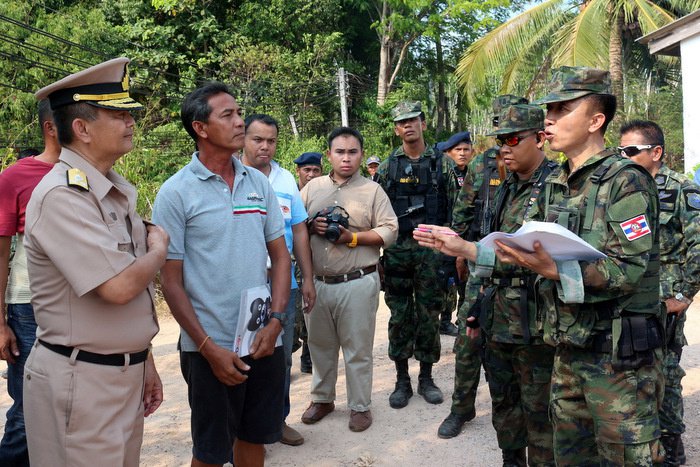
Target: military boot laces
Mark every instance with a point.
(514, 458)
(452, 425)
(402, 393)
(430, 392)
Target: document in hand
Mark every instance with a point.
(254, 315)
(559, 242)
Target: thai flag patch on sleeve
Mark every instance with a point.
(635, 228)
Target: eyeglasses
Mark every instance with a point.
(634, 149)
(511, 141)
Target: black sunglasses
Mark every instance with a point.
(634, 149)
(514, 140)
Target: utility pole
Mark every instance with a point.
(294, 126)
(342, 91)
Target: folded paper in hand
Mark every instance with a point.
(560, 243)
(254, 314)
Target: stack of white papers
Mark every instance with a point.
(560, 243)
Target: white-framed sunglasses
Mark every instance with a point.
(634, 149)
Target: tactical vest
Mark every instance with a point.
(483, 204)
(524, 282)
(417, 190)
(579, 324)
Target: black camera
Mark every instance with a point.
(335, 217)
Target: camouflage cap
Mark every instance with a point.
(505, 100)
(518, 118)
(572, 82)
(405, 110)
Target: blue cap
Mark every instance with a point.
(373, 160)
(461, 137)
(309, 158)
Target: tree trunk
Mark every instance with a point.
(615, 57)
(441, 98)
(384, 57)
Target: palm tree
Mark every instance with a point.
(516, 56)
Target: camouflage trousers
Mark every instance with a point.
(454, 299)
(300, 333)
(414, 299)
(467, 358)
(519, 382)
(671, 414)
(604, 416)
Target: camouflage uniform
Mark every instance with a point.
(679, 238)
(469, 220)
(517, 360)
(603, 316)
(456, 292)
(410, 277)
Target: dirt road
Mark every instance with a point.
(406, 437)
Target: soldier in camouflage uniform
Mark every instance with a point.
(458, 148)
(471, 219)
(603, 316)
(517, 361)
(417, 179)
(679, 239)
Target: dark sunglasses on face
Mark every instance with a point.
(513, 140)
(633, 149)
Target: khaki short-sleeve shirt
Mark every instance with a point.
(75, 241)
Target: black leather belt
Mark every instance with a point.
(116, 359)
(351, 276)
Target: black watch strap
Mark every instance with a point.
(282, 317)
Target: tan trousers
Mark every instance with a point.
(344, 317)
(82, 414)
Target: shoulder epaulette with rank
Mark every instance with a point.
(77, 178)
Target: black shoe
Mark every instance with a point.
(402, 393)
(452, 425)
(681, 451)
(514, 458)
(448, 329)
(431, 393)
(670, 443)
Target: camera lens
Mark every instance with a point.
(333, 233)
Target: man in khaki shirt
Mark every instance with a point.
(90, 378)
(352, 219)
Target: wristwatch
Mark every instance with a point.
(282, 317)
(681, 298)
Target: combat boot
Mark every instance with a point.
(670, 442)
(452, 425)
(402, 391)
(514, 458)
(446, 326)
(681, 451)
(426, 386)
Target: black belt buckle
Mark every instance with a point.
(97, 358)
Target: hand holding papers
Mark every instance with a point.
(253, 315)
(557, 241)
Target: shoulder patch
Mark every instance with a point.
(660, 180)
(77, 178)
(635, 228)
(692, 198)
(667, 199)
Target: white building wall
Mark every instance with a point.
(690, 67)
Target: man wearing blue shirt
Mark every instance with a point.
(224, 221)
(259, 152)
